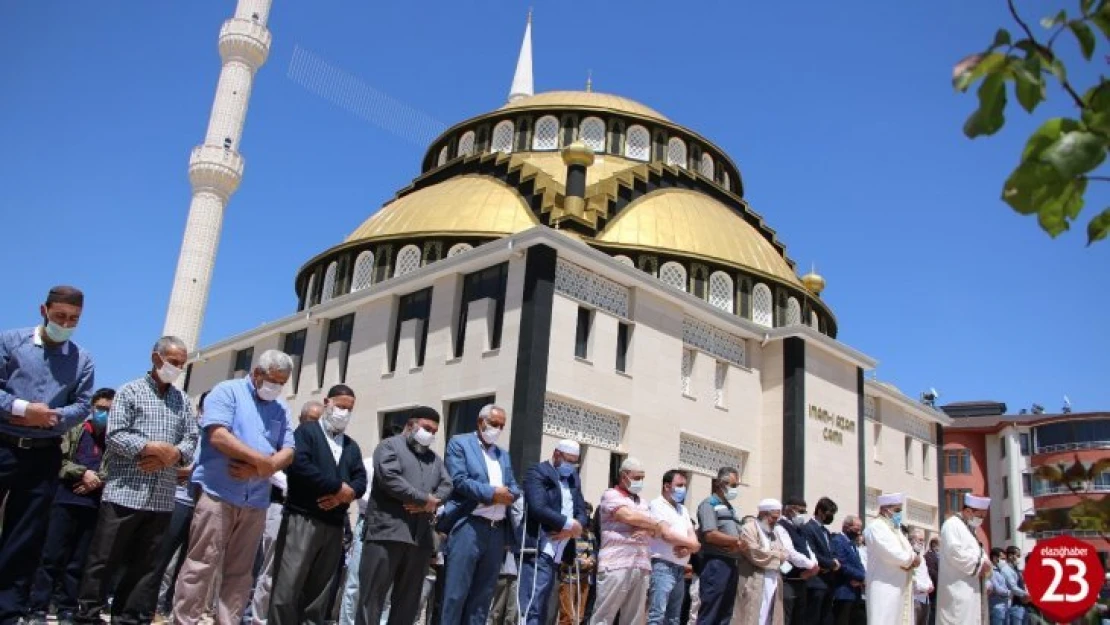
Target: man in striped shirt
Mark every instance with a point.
(151, 433)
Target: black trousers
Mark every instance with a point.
(391, 564)
(126, 540)
(849, 612)
(175, 540)
(818, 606)
(28, 481)
(794, 602)
(63, 561)
(306, 558)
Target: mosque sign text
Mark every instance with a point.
(834, 425)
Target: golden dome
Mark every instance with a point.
(472, 204)
(584, 100)
(688, 223)
(814, 282)
(578, 153)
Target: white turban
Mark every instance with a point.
(770, 505)
(978, 503)
(892, 499)
(569, 447)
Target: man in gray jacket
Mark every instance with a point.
(410, 484)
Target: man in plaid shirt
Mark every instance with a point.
(151, 432)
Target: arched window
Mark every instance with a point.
(624, 260)
(442, 157)
(722, 294)
(676, 152)
(813, 322)
(637, 143)
(793, 312)
(328, 291)
(466, 144)
(763, 306)
(502, 137)
(364, 271)
(546, 136)
(458, 248)
(592, 133)
(673, 274)
(726, 181)
(310, 291)
(705, 167)
(408, 260)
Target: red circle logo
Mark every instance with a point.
(1064, 577)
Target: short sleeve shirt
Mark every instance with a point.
(677, 519)
(717, 514)
(619, 549)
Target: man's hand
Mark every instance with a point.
(151, 464)
(836, 565)
(811, 572)
(855, 584)
(37, 415)
(240, 470)
(575, 529)
(89, 482)
(428, 507)
(742, 547)
(183, 474)
(264, 467)
(557, 536)
(987, 569)
(502, 496)
(681, 552)
(916, 561)
(161, 454)
(345, 495)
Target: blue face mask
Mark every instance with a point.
(679, 494)
(896, 519)
(100, 418)
(565, 469)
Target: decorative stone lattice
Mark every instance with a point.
(721, 291)
(911, 425)
(408, 260)
(719, 379)
(442, 157)
(720, 344)
(547, 134)
(591, 288)
(624, 260)
(687, 371)
(726, 181)
(592, 133)
(870, 409)
(814, 322)
(676, 152)
(763, 306)
(459, 248)
(364, 271)
(637, 143)
(705, 166)
(466, 143)
(328, 290)
(585, 425)
(673, 275)
(309, 294)
(793, 312)
(502, 137)
(920, 513)
(700, 455)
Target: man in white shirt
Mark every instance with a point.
(800, 564)
(670, 552)
(922, 583)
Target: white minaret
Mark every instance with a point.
(522, 78)
(216, 167)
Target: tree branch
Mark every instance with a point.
(1037, 44)
(1098, 178)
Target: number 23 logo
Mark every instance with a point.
(1079, 567)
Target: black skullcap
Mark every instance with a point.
(340, 390)
(65, 295)
(795, 501)
(425, 412)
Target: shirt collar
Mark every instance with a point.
(338, 438)
(36, 338)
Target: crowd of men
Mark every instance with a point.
(134, 505)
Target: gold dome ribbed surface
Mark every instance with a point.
(585, 100)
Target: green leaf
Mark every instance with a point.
(1060, 18)
(1058, 70)
(1037, 188)
(1098, 227)
(1075, 153)
(1085, 37)
(1085, 6)
(1001, 38)
(1046, 135)
(975, 66)
(1101, 18)
(1096, 113)
(989, 117)
(1030, 85)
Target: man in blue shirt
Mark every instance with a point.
(247, 437)
(46, 383)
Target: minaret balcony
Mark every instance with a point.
(215, 167)
(245, 40)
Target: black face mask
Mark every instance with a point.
(828, 519)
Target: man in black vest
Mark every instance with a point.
(327, 474)
(800, 565)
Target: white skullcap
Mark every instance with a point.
(891, 499)
(979, 503)
(632, 464)
(569, 447)
(770, 505)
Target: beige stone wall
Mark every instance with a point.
(832, 452)
(891, 468)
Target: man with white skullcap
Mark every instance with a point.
(759, 599)
(891, 561)
(963, 566)
(555, 514)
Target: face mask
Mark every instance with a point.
(635, 486)
(975, 522)
(896, 519)
(919, 547)
(336, 419)
(57, 333)
(168, 373)
(800, 519)
(491, 434)
(565, 469)
(269, 391)
(423, 437)
(679, 494)
(732, 493)
(828, 519)
(100, 418)
(851, 534)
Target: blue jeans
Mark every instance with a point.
(999, 612)
(540, 571)
(348, 608)
(668, 586)
(1017, 615)
(472, 561)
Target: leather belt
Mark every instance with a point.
(20, 442)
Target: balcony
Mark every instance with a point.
(215, 167)
(1077, 446)
(245, 40)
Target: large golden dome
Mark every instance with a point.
(584, 100)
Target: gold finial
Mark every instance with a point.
(814, 281)
(589, 80)
(578, 153)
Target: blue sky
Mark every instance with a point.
(841, 118)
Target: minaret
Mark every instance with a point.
(522, 79)
(216, 167)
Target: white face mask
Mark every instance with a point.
(800, 519)
(168, 373)
(336, 419)
(732, 493)
(491, 434)
(635, 486)
(269, 391)
(975, 522)
(423, 437)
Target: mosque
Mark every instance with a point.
(591, 265)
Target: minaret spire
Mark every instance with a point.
(589, 80)
(216, 167)
(522, 79)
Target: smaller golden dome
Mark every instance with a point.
(814, 282)
(578, 153)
